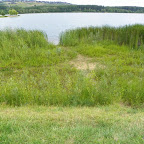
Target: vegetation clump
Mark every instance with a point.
(13, 12)
(132, 36)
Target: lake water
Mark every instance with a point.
(55, 23)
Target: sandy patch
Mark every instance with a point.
(84, 63)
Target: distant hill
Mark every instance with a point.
(48, 2)
(55, 2)
(32, 6)
(18, 0)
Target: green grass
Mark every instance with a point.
(33, 71)
(22, 48)
(71, 125)
(121, 51)
(46, 99)
(132, 36)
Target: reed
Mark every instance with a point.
(132, 36)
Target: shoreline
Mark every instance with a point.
(83, 12)
(9, 16)
(65, 12)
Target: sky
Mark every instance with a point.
(105, 2)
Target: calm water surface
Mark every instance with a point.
(55, 23)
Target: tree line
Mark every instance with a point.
(10, 12)
(71, 8)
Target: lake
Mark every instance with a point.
(55, 23)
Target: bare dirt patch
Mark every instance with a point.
(84, 63)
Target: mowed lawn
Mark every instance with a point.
(71, 125)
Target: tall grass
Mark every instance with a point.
(21, 48)
(68, 87)
(133, 36)
(33, 71)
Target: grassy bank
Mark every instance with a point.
(71, 125)
(88, 89)
(33, 71)
(118, 56)
(22, 48)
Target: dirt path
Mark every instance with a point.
(84, 63)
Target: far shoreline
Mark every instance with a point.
(81, 12)
(9, 16)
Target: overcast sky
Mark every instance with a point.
(106, 2)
